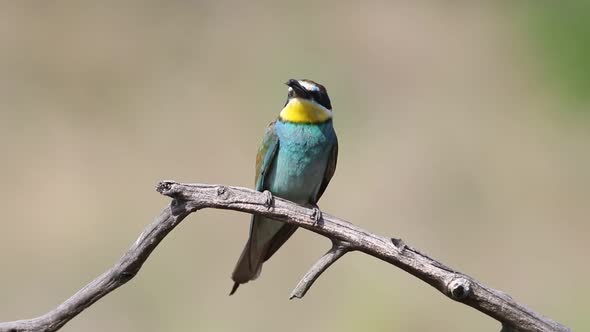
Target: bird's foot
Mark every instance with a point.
(268, 199)
(316, 214)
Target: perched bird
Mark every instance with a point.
(296, 161)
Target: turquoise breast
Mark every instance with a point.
(300, 163)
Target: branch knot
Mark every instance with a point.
(222, 192)
(459, 288)
(399, 244)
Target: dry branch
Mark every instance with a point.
(188, 198)
(338, 250)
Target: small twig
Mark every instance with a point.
(338, 250)
(188, 198)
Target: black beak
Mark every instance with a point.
(298, 90)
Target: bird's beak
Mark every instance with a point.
(298, 90)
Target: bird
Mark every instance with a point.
(296, 161)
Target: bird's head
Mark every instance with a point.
(307, 102)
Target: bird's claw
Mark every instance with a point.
(316, 215)
(268, 198)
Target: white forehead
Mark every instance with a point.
(309, 86)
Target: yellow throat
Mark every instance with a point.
(304, 111)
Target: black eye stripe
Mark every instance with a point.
(322, 98)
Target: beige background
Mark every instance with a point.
(450, 137)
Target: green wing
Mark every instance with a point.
(330, 169)
(266, 154)
(256, 249)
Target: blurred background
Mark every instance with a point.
(464, 129)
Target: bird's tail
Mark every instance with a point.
(266, 237)
(248, 266)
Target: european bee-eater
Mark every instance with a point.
(296, 161)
